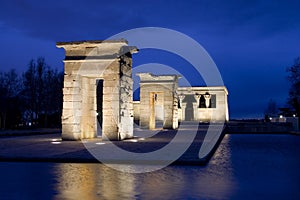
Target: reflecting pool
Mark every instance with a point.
(244, 167)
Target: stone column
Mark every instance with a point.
(196, 106)
(168, 109)
(152, 122)
(126, 98)
(175, 112)
(207, 99)
(181, 97)
(88, 117)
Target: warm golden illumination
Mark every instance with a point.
(100, 143)
(55, 142)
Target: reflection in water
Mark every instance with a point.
(219, 173)
(96, 181)
(92, 181)
(75, 178)
(243, 167)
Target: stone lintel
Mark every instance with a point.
(96, 49)
(150, 78)
(61, 44)
(185, 90)
(125, 50)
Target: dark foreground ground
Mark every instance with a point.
(48, 147)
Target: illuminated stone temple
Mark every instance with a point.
(98, 94)
(163, 103)
(97, 88)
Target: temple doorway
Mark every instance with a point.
(189, 110)
(99, 96)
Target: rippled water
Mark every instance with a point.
(243, 167)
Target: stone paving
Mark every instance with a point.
(50, 147)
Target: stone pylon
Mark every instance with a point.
(97, 90)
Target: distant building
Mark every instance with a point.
(293, 120)
(161, 100)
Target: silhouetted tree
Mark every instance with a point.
(30, 92)
(34, 97)
(52, 91)
(10, 109)
(294, 92)
(42, 93)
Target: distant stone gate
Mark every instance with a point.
(158, 100)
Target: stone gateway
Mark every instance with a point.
(98, 94)
(103, 68)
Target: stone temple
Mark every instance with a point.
(98, 94)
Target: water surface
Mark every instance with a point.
(243, 167)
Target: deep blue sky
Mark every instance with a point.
(252, 42)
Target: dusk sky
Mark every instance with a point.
(251, 42)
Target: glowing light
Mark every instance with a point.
(270, 118)
(132, 140)
(294, 115)
(55, 142)
(280, 116)
(100, 143)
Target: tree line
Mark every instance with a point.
(294, 92)
(292, 108)
(32, 99)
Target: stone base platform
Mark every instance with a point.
(50, 147)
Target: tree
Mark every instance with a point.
(42, 93)
(294, 92)
(10, 110)
(52, 91)
(35, 97)
(30, 92)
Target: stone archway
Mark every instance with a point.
(86, 63)
(158, 99)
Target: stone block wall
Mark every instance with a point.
(218, 114)
(158, 92)
(84, 64)
(136, 110)
(126, 98)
